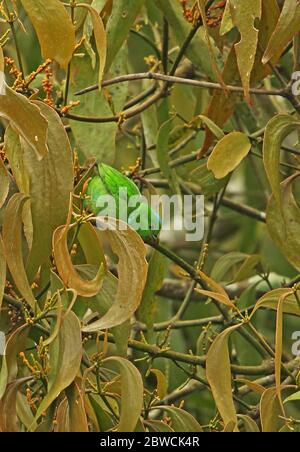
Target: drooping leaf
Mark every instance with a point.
(54, 28)
(155, 278)
(4, 183)
(218, 374)
(249, 423)
(121, 19)
(244, 13)
(65, 266)
(270, 301)
(65, 358)
(132, 393)
(12, 239)
(283, 221)
(9, 422)
(270, 412)
(287, 27)
(2, 270)
(50, 185)
(100, 38)
(228, 154)
(276, 131)
(162, 384)
(163, 155)
(182, 421)
(132, 274)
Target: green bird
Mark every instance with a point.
(142, 218)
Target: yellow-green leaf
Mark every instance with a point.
(65, 267)
(287, 27)
(244, 13)
(270, 412)
(4, 183)
(65, 358)
(132, 393)
(218, 374)
(12, 239)
(54, 29)
(26, 119)
(100, 38)
(228, 154)
(132, 274)
(276, 131)
(283, 221)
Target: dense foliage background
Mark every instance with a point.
(105, 332)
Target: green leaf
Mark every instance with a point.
(65, 267)
(122, 18)
(270, 301)
(65, 358)
(8, 407)
(54, 28)
(162, 150)
(132, 393)
(244, 13)
(12, 239)
(4, 183)
(228, 154)
(270, 412)
(50, 186)
(283, 221)
(293, 398)
(2, 271)
(100, 38)
(155, 278)
(249, 424)
(197, 51)
(287, 27)
(218, 374)
(182, 421)
(276, 131)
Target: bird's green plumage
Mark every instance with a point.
(109, 182)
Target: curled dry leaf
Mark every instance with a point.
(65, 267)
(132, 274)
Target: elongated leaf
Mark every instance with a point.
(100, 38)
(218, 374)
(131, 396)
(50, 185)
(76, 410)
(228, 154)
(287, 27)
(2, 270)
(12, 239)
(283, 221)
(54, 28)
(4, 183)
(65, 358)
(8, 407)
(163, 155)
(132, 274)
(162, 384)
(123, 15)
(65, 267)
(276, 131)
(155, 278)
(244, 13)
(270, 412)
